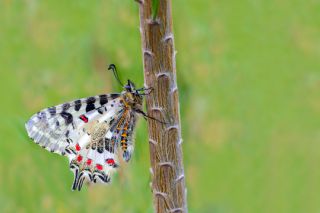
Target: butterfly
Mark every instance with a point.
(92, 132)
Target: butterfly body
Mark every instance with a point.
(92, 132)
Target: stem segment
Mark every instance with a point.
(168, 180)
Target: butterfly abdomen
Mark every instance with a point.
(124, 135)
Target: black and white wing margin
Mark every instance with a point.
(89, 132)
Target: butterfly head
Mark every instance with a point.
(130, 87)
(131, 96)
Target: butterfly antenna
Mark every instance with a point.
(115, 73)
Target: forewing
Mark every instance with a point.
(56, 127)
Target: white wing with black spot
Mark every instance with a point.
(54, 128)
(91, 132)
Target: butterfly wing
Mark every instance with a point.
(54, 128)
(90, 132)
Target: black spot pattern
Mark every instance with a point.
(100, 149)
(103, 99)
(105, 178)
(90, 104)
(41, 115)
(113, 96)
(68, 151)
(52, 110)
(67, 117)
(100, 146)
(89, 107)
(91, 100)
(65, 106)
(93, 146)
(77, 105)
(76, 175)
(111, 121)
(108, 145)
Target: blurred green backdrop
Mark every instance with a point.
(249, 80)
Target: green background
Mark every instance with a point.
(249, 80)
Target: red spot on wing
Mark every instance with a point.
(84, 118)
(78, 147)
(89, 161)
(79, 158)
(99, 166)
(110, 161)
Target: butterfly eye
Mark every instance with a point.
(128, 88)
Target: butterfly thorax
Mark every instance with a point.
(132, 100)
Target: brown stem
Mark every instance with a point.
(168, 180)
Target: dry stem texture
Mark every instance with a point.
(168, 181)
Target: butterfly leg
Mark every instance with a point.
(147, 91)
(147, 116)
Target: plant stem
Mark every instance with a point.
(168, 180)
